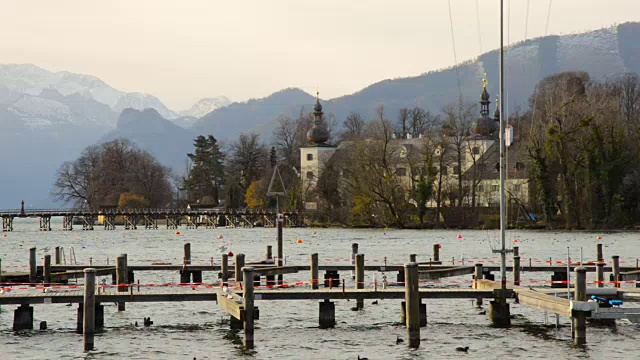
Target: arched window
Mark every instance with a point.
(309, 157)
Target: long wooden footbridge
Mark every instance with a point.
(131, 219)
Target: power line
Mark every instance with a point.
(546, 28)
(526, 21)
(455, 57)
(478, 22)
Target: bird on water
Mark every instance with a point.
(361, 358)
(463, 349)
(399, 340)
(375, 302)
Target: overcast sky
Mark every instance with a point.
(181, 51)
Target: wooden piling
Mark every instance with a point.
(224, 268)
(314, 271)
(56, 257)
(248, 298)
(616, 270)
(579, 317)
(412, 299)
(360, 278)
(327, 314)
(121, 277)
(599, 255)
(516, 251)
(412, 257)
(436, 252)
(269, 252)
(354, 251)
(88, 322)
(238, 267)
(187, 254)
(280, 222)
(33, 269)
(516, 270)
(477, 276)
(46, 269)
(600, 274)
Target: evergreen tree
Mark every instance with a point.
(206, 176)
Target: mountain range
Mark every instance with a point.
(49, 117)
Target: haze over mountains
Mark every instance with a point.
(49, 117)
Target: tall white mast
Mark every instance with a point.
(503, 168)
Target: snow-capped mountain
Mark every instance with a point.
(32, 80)
(205, 106)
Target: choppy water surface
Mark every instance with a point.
(288, 329)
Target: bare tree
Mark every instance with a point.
(285, 136)
(457, 126)
(249, 158)
(403, 122)
(353, 127)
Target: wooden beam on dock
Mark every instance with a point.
(231, 304)
(447, 272)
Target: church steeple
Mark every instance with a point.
(496, 113)
(484, 98)
(318, 133)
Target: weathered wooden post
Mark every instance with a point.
(33, 269)
(354, 252)
(516, 270)
(187, 253)
(476, 281)
(238, 267)
(121, 277)
(599, 255)
(314, 271)
(327, 317)
(280, 222)
(616, 270)
(88, 322)
(412, 300)
(56, 255)
(436, 252)
(359, 278)
(269, 252)
(600, 274)
(46, 269)
(248, 307)
(412, 257)
(579, 317)
(225, 269)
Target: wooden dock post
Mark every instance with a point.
(476, 281)
(436, 252)
(327, 317)
(616, 270)
(600, 274)
(580, 317)
(314, 271)
(360, 278)
(269, 252)
(412, 300)
(224, 268)
(516, 270)
(248, 298)
(354, 252)
(46, 269)
(412, 257)
(187, 253)
(238, 267)
(23, 318)
(121, 277)
(56, 257)
(280, 222)
(33, 269)
(599, 255)
(88, 323)
(516, 251)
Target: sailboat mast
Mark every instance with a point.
(503, 168)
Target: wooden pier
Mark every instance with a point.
(131, 219)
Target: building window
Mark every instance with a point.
(309, 157)
(495, 187)
(519, 166)
(517, 188)
(476, 150)
(401, 172)
(480, 188)
(309, 174)
(497, 167)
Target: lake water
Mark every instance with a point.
(288, 329)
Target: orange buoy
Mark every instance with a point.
(299, 241)
(177, 232)
(439, 246)
(599, 238)
(459, 236)
(4, 235)
(515, 240)
(230, 253)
